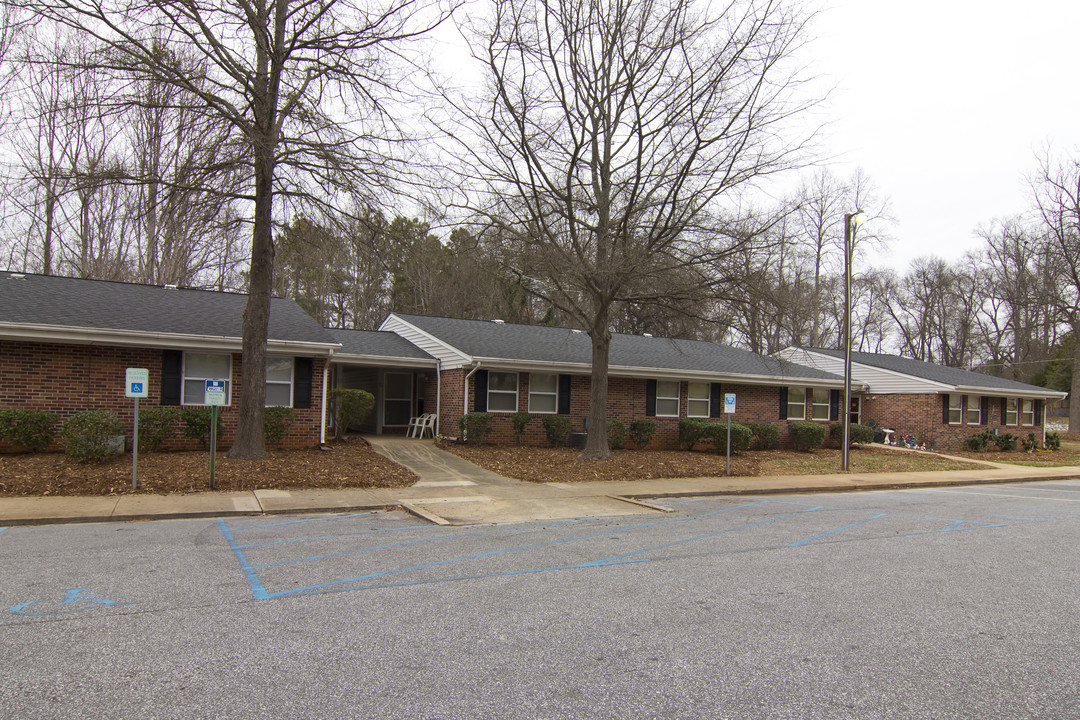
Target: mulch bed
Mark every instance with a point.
(545, 464)
(350, 463)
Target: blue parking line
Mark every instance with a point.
(804, 541)
(425, 526)
(305, 520)
(367, 549)
(308, 589)
(256, 585)
(615, 558)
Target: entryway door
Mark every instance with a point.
(397, 399)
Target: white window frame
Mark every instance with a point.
(554, 395)
(675, 397)
(1013, 411)
(956, 405)
(1027, 407)
(291, 382)
(801, 415)
(490, 392)
(184, 377)
(968, 410)
(814, 404)
(692, 401)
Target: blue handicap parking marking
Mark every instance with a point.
(84, 598)
(286, 559)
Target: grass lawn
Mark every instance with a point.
(1069, 454)
(861, 460)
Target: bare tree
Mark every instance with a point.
(283, 75)
(1056, 188)
(613, 132)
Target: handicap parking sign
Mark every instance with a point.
(214, 392)
(137, 383)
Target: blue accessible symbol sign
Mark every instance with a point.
(136, 383)
(729, 403)
(75, 596)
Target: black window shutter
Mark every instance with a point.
(783, 403)
(172, 362)
(1004, 410)
(564, 395)
(480, 391)
(716, 400)
(945, 408)
(984, 410)
(650, 398)
(302, 367)
(1038, 412)
(834, 405)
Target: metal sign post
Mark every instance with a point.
(213, 395)
(729, 410)
(136, 385)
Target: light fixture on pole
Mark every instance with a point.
(850, 221)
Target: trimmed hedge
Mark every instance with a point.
(86, 435)
(197, 425)
(806, 435)
(156, 425)
(860, 434)
(767, 434)
(741, 435)
(641, 432)
(30, 429)
(616, 433)
(276, 423)
(556, 427)
(692, 431)
(475, 426)
(520, 421)
(349, 408)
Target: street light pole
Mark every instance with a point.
(848, 217)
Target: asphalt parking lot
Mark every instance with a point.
(948, 602)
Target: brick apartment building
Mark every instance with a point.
(941, 406)
(65, 344)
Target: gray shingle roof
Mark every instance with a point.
(540, 343)
(378, 343)
(102, 305)
(932, 372)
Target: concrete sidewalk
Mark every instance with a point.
(452, 490)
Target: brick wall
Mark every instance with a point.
(922, 415)
(66, 379)
(626, 401)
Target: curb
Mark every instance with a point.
(634, 498)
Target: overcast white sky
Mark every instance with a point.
(945, 104)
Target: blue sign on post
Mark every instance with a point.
(729, 403)
(214, 392)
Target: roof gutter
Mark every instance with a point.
(130, 338)
(662, 373)
(1012, 392)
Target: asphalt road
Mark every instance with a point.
(938, 603)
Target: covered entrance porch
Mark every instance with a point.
(403, 379)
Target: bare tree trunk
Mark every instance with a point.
(596, 444)
(249, 444)
(1074, 394)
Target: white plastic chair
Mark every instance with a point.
(421, 424)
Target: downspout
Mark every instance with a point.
(438, 393)
(322, 413)
(1044, 409)
(465, 397)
